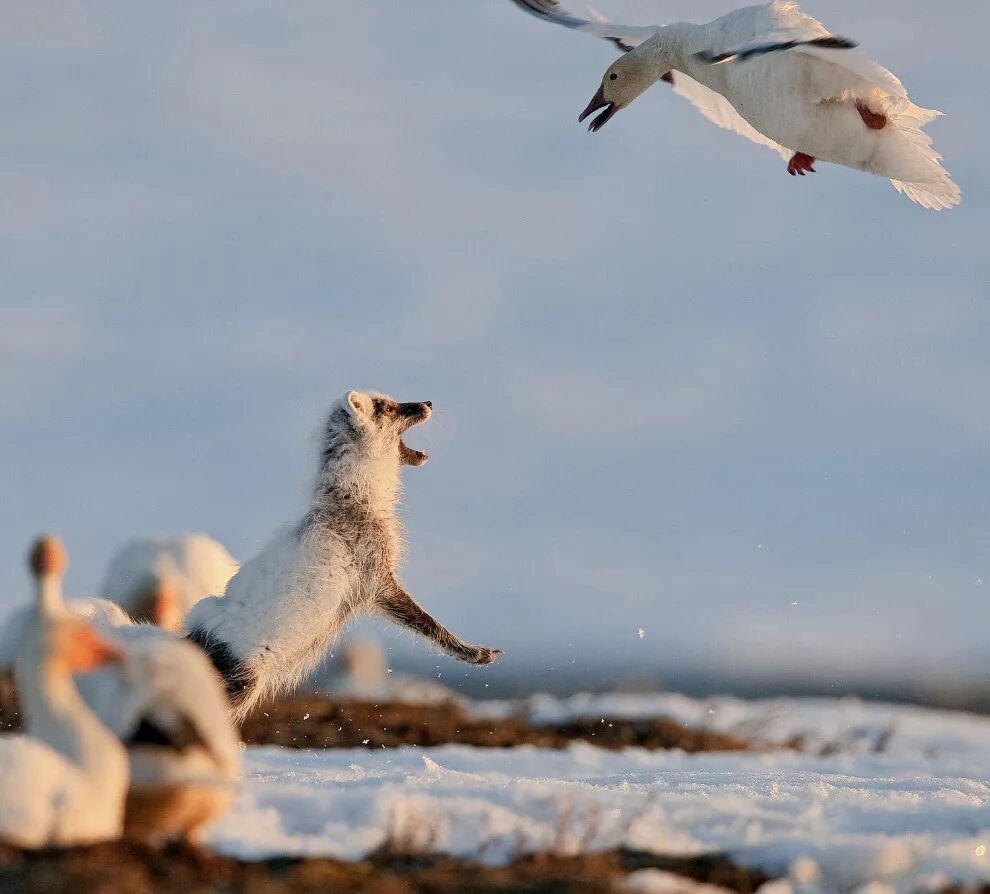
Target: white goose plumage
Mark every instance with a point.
(167, 705)
(159, 579)
(64, 783)
(779, 78)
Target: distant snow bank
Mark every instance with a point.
(911, 817)
(819, 725)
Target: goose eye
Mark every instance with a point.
(612, 77)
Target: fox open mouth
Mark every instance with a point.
(414, 414)
(409, 456)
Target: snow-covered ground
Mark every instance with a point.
(891, 795)
(821, 725)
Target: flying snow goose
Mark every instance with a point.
(781, 79)
(167, 705)
(64, 783)
(158, 579)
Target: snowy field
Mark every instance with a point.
(889, 795)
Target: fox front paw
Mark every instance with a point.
(482, 655)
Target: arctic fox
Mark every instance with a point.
(284, 608)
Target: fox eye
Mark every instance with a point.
(612, 76)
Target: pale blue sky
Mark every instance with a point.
(674, 388)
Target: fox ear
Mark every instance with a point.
(358, 405)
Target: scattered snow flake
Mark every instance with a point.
(981, 850)
(306, 716)
(365, 741)
(641, 632)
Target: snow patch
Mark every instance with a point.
(823, 823)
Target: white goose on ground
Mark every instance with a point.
(778, 77)
(167, 705)
(64, 783)
(158, 579)
(171, 711)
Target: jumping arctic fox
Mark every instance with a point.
(284, 608)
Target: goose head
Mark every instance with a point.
(78, 648)
(158, 601)
(626, 78)
(64, 640)
(48, 561)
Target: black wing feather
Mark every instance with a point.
(550, 11)
(828, 43)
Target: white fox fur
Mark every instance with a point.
(284, 608)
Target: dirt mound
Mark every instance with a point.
(129, 869)
(320, 722)
(10, 718)
(316, 721)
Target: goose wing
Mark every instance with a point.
(170, 686)
(776, 42)
(713, 106)
(625, 37)
(757, 31)
(181, 701)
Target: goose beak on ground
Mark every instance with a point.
(598, 101)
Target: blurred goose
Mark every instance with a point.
(64, 783)
(170, 710)
(362, 673)
(168, 707)
(158, 579)
(781, 79)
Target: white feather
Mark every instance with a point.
(46, 800)
(164, 676)
(194, 566)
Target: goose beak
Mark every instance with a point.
(598, 101)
